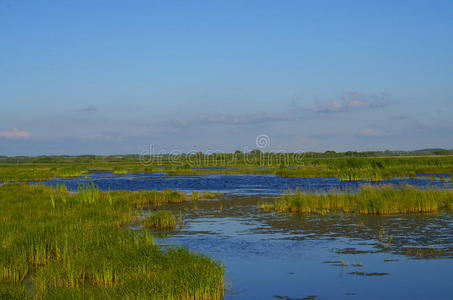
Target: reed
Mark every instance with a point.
(369, 200)
(120, 171)
(142, 199)
(363, 166)
(163, 219)
(13, 291)
(210, 195)
(78, 246)
(88, 194)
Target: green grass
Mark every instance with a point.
(143, 199)
(195, 195)
(343, 166)
(210, 195)
(79, 246)
(369, 200)
(206, 195)
(163, 219)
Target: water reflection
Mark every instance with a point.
(285, 256)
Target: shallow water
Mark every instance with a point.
(285, 256)
(234, 184)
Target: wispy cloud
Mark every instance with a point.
(87, 109)
(372, 132)
(15, 133)
(250, 118)
(350, 101)
(330, 107)
(232, 120)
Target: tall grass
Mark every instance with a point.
(162, 219)
(76, 246)
(369, 200)
(206, 195)
(88, 194)
(343, 166)
(143, 198)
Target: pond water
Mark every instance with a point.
(284, 256)
(235, 184)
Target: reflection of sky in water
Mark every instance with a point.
(263, 264)
(231, 183)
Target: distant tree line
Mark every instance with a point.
(213, 156)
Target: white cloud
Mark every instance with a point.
(371, 132)
(15, 133)
(352, 100)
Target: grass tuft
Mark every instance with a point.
(163, 219)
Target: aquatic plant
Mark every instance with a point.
(143, 199)
(163, 219)
(209, 195)
(148, 170)
(369, 200)
(120, 171)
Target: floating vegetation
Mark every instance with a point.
(163, 219)
(369, 200)
(77, 246)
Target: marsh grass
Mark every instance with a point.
(120, 171)
(163, 219)
(346, 168)
(195, 195)
(78, 246)
(143, 199)
(369, 200)
(210, 195)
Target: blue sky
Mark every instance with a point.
(110, 77)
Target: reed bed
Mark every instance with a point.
(210, 195)
(206, 195)
(366, 166)
(163, 219)
(369, 200)
(142, 199)
(195, 195)
(78, 246)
